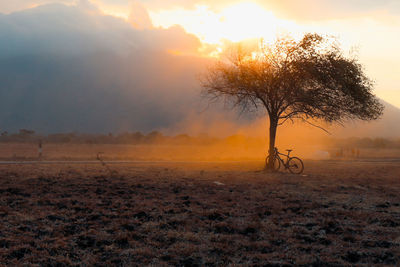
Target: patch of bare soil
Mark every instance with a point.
(340, 213)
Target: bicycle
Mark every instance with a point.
(293, 164)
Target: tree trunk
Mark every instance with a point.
(273, 126)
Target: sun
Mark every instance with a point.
(234, 23)
(246, 21)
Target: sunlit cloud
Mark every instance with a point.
(234, 23)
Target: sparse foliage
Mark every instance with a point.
(306, 79)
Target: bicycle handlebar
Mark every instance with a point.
(277, 152)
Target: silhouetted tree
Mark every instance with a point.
(306, 79)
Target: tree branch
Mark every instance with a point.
(319, 127)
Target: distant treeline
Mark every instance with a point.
(156, 137)
(134, 138)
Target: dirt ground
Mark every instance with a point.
(200, 214)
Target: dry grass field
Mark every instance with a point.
(29, 151)
(200, 214)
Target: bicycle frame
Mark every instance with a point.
(277, 153)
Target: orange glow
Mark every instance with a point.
(255, 19)
(234, 23)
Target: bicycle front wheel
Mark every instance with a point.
(295, 165)
(276, 165)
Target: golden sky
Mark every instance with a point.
(372, 27)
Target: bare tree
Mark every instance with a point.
(309, 79)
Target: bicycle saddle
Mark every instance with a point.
(289, 150)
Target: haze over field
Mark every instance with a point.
(112, 66)
(185, 132)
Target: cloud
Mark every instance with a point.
(18, 5)
(85, 29)
(309, 10)
(304, 10)
(139, 17)
(71, 68)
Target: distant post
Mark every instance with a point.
(40, 150)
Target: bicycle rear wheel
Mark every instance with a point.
(295, 165)
(277, 163)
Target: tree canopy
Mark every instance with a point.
(306, 79)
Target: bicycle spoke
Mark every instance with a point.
(295, 165)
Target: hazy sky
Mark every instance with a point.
(82, 61)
